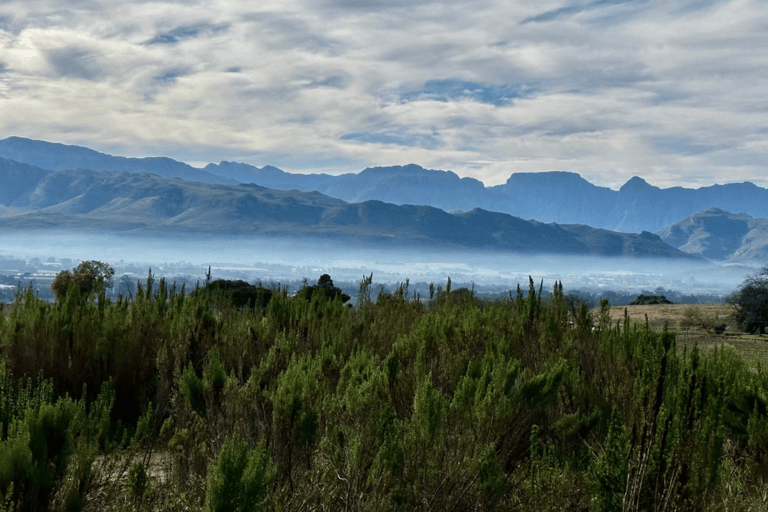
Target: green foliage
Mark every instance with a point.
(650, 300)
(324, 288)
(137, 480)
(88, 277)
(191, 386)
(750, 302)
(239, 479)
(608, 471)
(449, 404)
(47, 445)
(238, 293)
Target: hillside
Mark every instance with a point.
(561, 197)
(130, 202)
(58, 157)
(719, 235)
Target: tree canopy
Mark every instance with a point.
(238, 292)
(751, 302)
(325, 288)
(89, 276)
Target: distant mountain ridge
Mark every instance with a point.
(719, 235)
(140, 202)
(59, 157)
(560, 197)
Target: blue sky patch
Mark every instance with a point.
(170, 76)
(187, 32)
(451, 90)
(568, 11)
(396, 138)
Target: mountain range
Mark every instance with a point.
(52, 185)
(560, 197)
(115, 202)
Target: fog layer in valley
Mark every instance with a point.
(285, 259)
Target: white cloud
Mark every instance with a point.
(673, 92)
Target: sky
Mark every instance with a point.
(673, 91)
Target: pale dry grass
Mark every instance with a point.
(753, 350)
(672, 314)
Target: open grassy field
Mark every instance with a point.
(752, 349)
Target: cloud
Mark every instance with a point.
(284, 32)
(398, 138)
(671, 91)
(75, 62)
(573, 9)
(333, 81)
(679, 145)
(185, 32)
(170, 76)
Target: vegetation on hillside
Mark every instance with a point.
(448, 403)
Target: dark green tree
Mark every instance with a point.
(325, 288)
(751, 302)
(90, 276)
(239, 293)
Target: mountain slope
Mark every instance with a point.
(561, 197)
(58, 157)
(720, 235)
(126, 202)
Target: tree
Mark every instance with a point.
(238, 292)
(643, 300)
(751, 302)
(90, 276)
(325, 288)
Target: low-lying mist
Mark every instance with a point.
(276, 259)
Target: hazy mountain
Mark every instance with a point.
(57, 157)
(562, 197)
(406, 184)
(720, 235)
(16, 179)
(125, 202)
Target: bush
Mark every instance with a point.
(694, 317)
(643, 300)
(39, 438)
(751, 303)
(239, 479)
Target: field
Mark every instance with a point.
(752, 349)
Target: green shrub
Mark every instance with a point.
(239, 479)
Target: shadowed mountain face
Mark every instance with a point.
(58, 157)
(561, 197)
(720, 235)
(128, 202)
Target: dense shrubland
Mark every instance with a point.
(304, 403)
